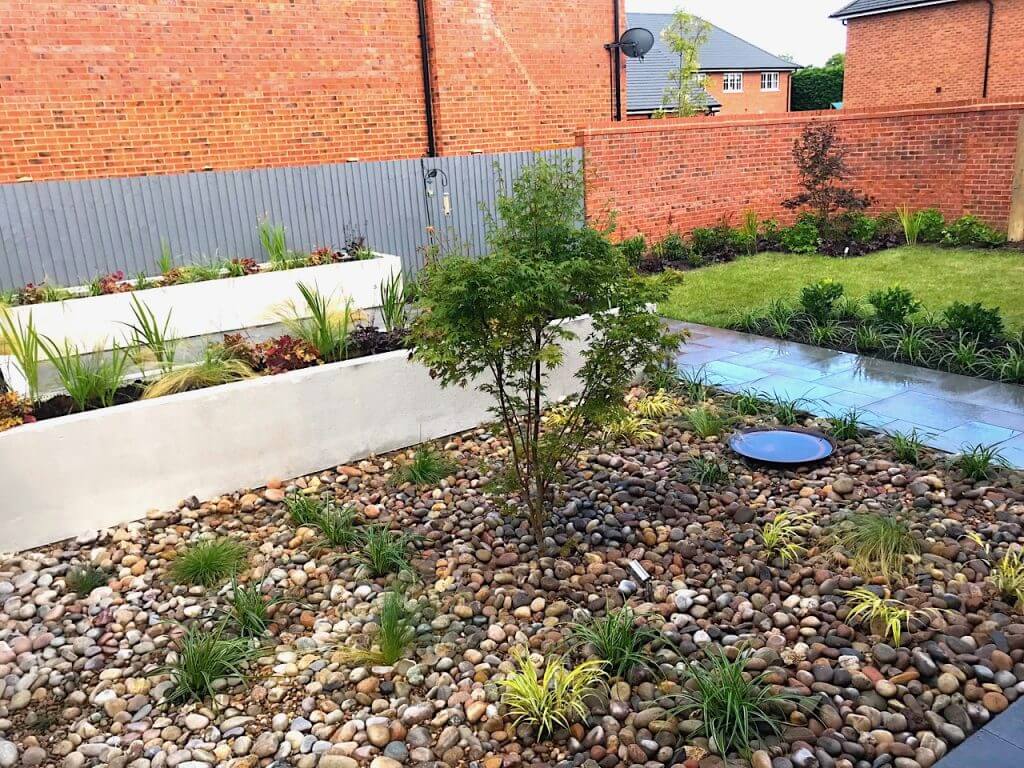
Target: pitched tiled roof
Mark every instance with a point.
(868, 7)
(646, 80)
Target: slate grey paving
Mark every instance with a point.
(999, 744)
(948, 411)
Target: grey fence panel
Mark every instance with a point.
(71, 231)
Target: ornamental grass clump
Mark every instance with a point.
(845, 427)
(209, 563)
(884, 616)
(22, 342)
(628, 427)
(616, 639)
(384, 551)
(216, 368)
(304, 509)
(149, 334)
(552, 700)
(321, 322)
(980, 462)
(707, 421)
(205, 657)
(657, 405)
(1006, 572)
(91, 381)
(784, 534)
(82, 580)
(396, 634)
(428, 466)
(877, 545)
(707, 471)
(249, 609)
(906, 447)
(338, 526)
(737, 710)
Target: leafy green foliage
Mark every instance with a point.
(817, 87)
(971, 232)
(553, 700)
(684, 36)
(384, 550)
(980, 462)
(868, 338)
(802, 237)
(209, 563)
(616, 639)
(983, 324)
(931, 225)
(893, 305)
(634, 249)
(202, 657)
(428, 466)
(673, 248)
(877, 544)
(82, 580)
(497, 318)
(736, 709)
(818, 299)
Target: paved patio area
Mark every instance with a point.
(948, 411)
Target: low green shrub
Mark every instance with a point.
(818, 299)
(673, 248)
(717, 244)
(634, 249)
(893, 305)
(802, 237)
(931, 226)
(983, 324)
(971, 232)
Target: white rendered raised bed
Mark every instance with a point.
(96, 469)
(207, 308)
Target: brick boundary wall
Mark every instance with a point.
(677, 174)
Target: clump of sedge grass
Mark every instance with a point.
(878, 544)
(202, 658)
(91, 381)
(155, 337)
(553, 700)
(338, 526)
(303, 509)
(707, 471)
(616, 640)
(883, 616)
(428, 466)
(907, 447)
(694, 385)
(384, 551)
(628, 427)
(1006, 573)
(783, 535)
(736, 709)
(22, 342)
(249, 609)
(82, 580)
(980, 462)
(748, 403)
(786, 411)
(394, 638)
(706, 421)
(658, 405)
(214, 369)
(209, 562)
(845, 427)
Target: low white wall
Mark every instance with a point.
(92, 470)
(197, 309)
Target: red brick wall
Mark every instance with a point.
(94, 88)
(679, 174)
(933, 54)
(752, 100)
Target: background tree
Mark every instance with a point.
(819, 87)
(685, 36)
(821, 163)
(492, 322)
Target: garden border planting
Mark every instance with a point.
(197, 309)
(111, 465)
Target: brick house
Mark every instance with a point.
(919, 51)
(738, 77)
(97, 89)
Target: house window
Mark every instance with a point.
(769, 81)
(732, 82)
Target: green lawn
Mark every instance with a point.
(937, 276)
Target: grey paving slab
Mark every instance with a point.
(1008, 726)
(984, 749)
(970, 434)
(948, 411)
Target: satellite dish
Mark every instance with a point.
(636, 42)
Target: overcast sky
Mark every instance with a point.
(800, 28)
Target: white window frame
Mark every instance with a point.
(771, 76)
(732, 77)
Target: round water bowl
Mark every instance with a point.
(782, 445)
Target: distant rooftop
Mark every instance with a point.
(872, 7)
(647, 79)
